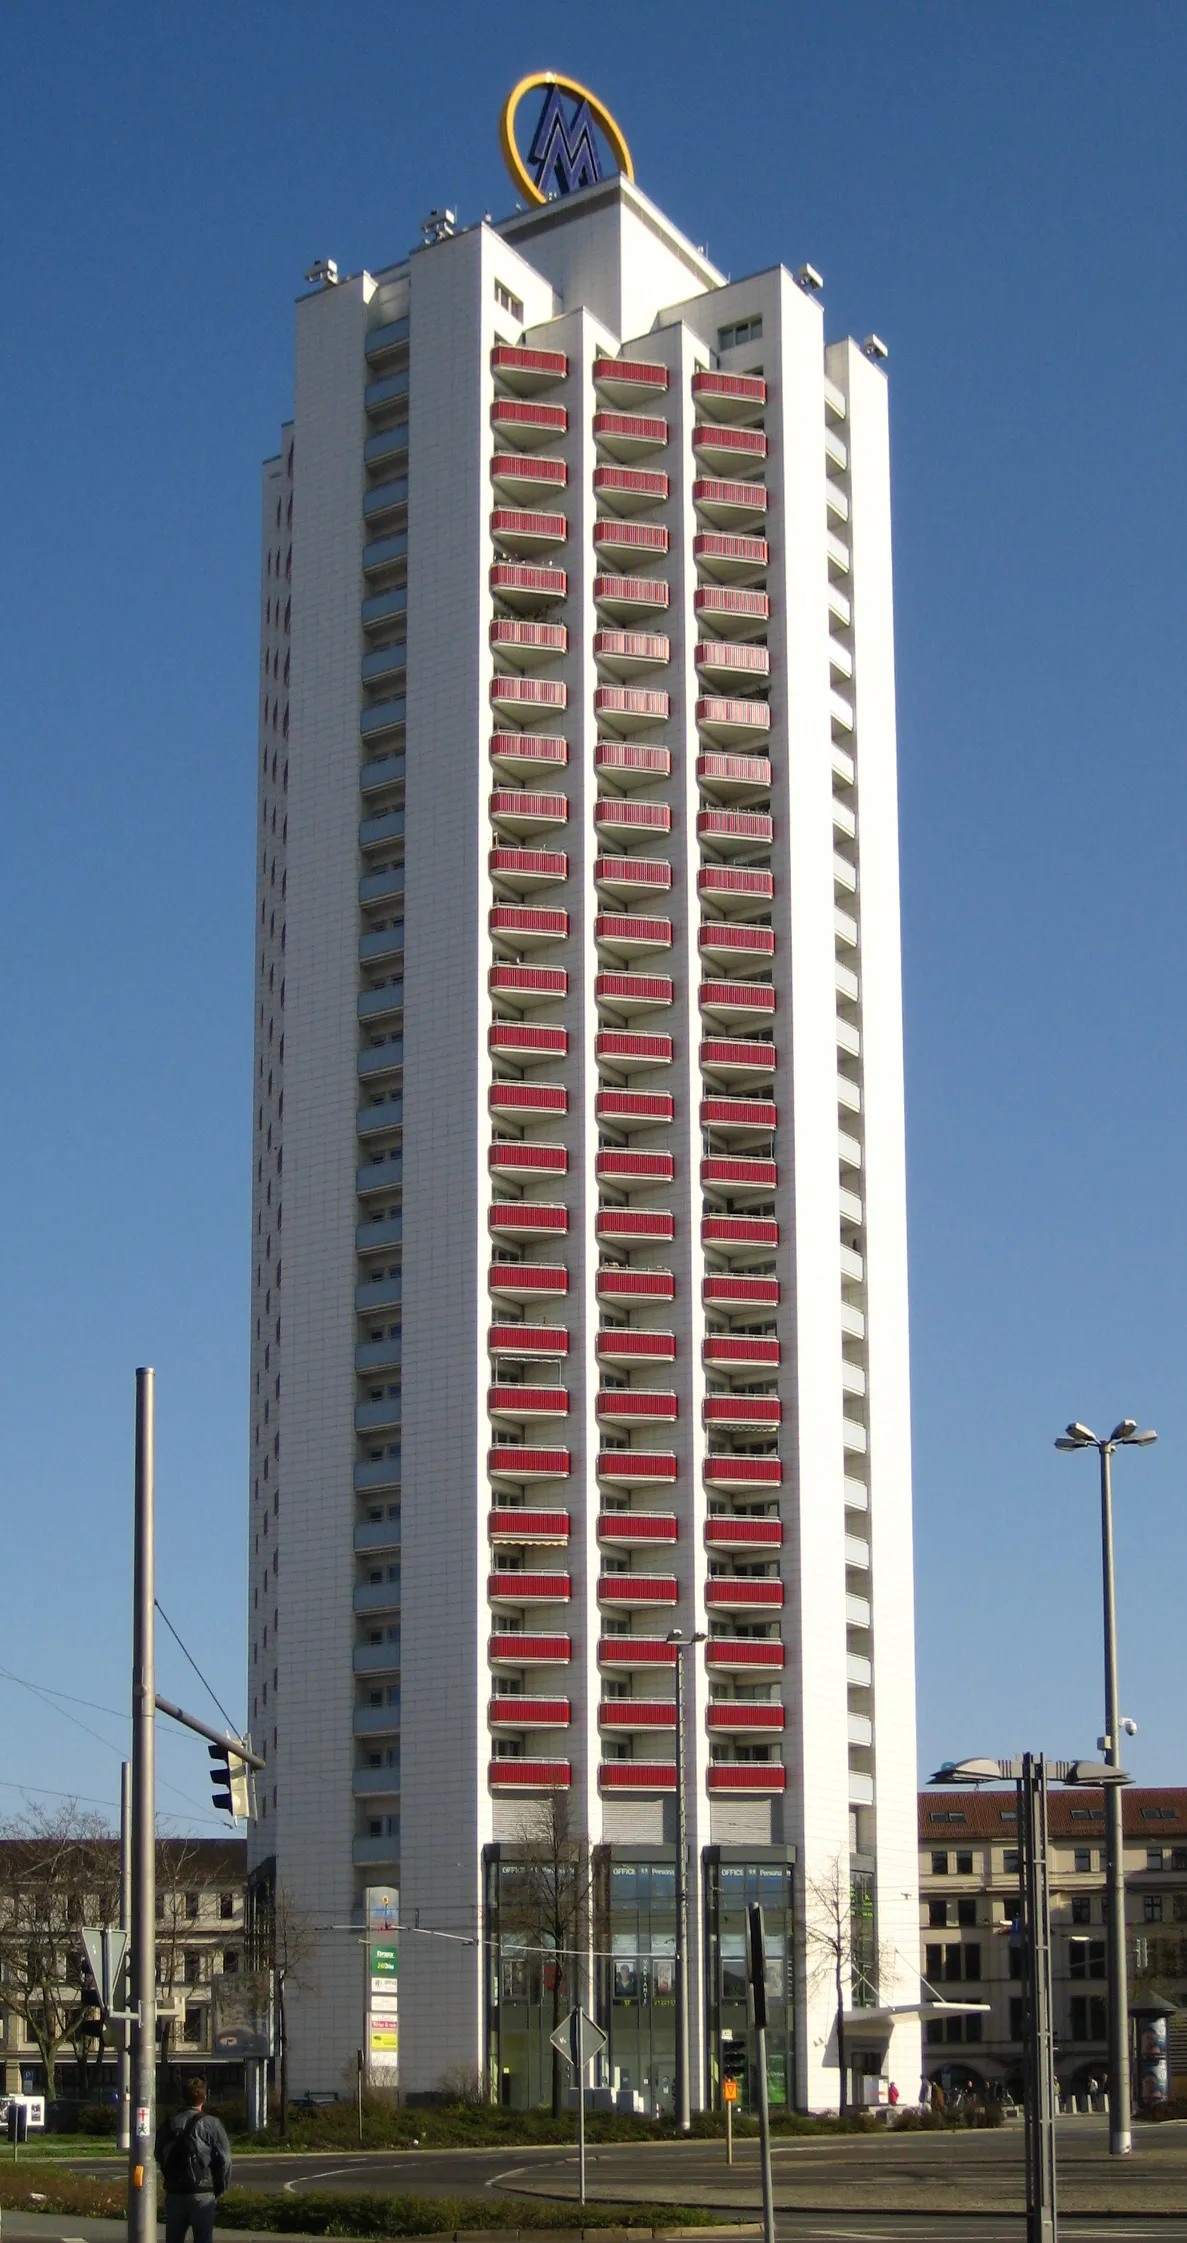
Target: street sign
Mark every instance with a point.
(580, 2039)
(106, 1952)
(729, 2090)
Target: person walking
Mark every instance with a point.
(194, 2155)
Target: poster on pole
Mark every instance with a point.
(241, 2020)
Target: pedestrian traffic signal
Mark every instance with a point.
(231, 1782)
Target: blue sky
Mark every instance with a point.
(996, 189)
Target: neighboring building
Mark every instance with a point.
(578, 1094)
(200, 1934)
(970, 1948)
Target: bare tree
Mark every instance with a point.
(286, 1944)
(59, 1870)
(546, 1900)
(838, 1937)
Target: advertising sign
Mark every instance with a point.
(383, 1910)
(241, 2013)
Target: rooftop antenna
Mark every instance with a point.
(438, 226)
(323, 273)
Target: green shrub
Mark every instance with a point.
(324, 2214)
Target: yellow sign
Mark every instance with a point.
(385, 2037)
(563, 155)
(729, 2090)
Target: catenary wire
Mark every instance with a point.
(47, 1697)
(194, 1664)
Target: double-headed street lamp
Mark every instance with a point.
(682, 1645)
(1123, 1436)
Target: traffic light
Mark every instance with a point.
(231, 1782)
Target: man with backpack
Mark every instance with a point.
(194, 2155)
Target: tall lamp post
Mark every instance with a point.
(1123, 1436)
(682, 1645)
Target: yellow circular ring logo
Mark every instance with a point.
(564, 153)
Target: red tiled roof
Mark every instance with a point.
(953, 1815)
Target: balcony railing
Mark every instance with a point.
(524, 1157)
(528, 1340)
(734, 1714)
(724, 937)
(735, 613)
(511, 1711)
(744, 448)
(742, 1410)
(724, 1532)
(527, 1042)
(738, 1115)
(720, 1173)
(624, 653)
(739, 1059)
(514, 1460)
(641, 538)
(636, 1651)
(547, 639)
(628, 489)
(628, 378)
(743, 1471)
(726, 657)
(636, 1713)
(729, 1000)
(629, 436)
(614, 814)
(525, 1281)
(626, 1468)
(528, 984)
(740, 1292)
(634, 1592)
(729, 395)
(522, 368)
(527, 1218)
(632, 762)
(527, 694)
(733, 1593)
(522, 530)
(625, 1048)
(523, 1526)
(635, 1168)
(631, 706)
(527, 1098)
(735, 888)
(730, 559)
(728, 504)
(623, 934)
(725, 720)
(621, 875)
(512, 1773)
(619, 594)
(516, 1649)
(628, 1530)
(634, 1109)
(527, 751)
(637, 1775)
(632, 992)
(511, 470)
(524, 927)
(740, 1354)
(528, 1588)
(633, 1347)
(625, 1405)
(736, 1652)
(749, 1776)
(531, 425)
(635, 1285)
(520, 585)
(516, 811)
(525, 869)
(627, 1225)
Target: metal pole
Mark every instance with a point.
(729, 2131)
(124, 2058)
(142, 2172)
(581, 2128)
(683, 2084)
(757, 2002)
(1041, 2212)
(1120, 2138)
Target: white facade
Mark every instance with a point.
(579, 921)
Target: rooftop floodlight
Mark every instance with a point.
(323, 273)
(1064, 1443)
(1144, 1440)
(1082, 1435)
(874, 347)
(809, 278)
(1125, 1430)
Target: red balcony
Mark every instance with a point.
(634, 1109)
(527, 1340)
(628, 490)
(525, 1098)
(636, 1651)
(730, 397)
(527, 370)
(637, 1775)
(743, 1410)
(739, 1232)
(741, 1119)
(518, 1650)
(747, 1775)
(532, 426)
(629, 436)
(527, 1281)
(738, 1177)
(739, 1354)
(725, 1532)
(630, 707)
(629, 1530)
(531, 698)
(635, 1168)
(625, 654)
(624, 1405)
(743, 1471)
(520, 1404)
(517, 472)
(518, 1039)
(520, 1525)
(527, 1218)
(729, 721)
(525, 870)
(522, 587)
(632, 993)
(515, 1712)
(629, 381)
(623, 877)
(737, 615)
(732, 560)
(616, 815)
(528, 985)
(732, 1593)
(627, 1048)
(526, 1157)
(514, 811)
(646, 540)
(741, 1059)
(744, 946)
(733, 1653)
(633, 1592)
(739, 451)
(622, 597)
(740, 1292)
(516, 1774)
(626, 1225)
(736, 889)
(735, 833)
(634, 1347)
(636, 1468)
(632, 763)
(729, 505)
(525, 530)
(528, 1588)
(527, 644)
(515, 1461)
(722, 659)
(636, 1713)
(518, 926)
(737, 1000)
(635, 1284)
(624, 936)
(528, 754)
(742, 1713)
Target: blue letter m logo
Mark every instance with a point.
(564, 153)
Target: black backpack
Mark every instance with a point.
(186, 2163)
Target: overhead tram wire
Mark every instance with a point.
(47, 1697)
(194, 1664)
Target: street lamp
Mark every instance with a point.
(682, 1645)
(1123, 1436)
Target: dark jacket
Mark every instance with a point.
(210, 2141)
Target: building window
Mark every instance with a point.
(193, 1969)
(1086, 1958)
(1011, 1861)
(937, 1914)
(191, 2031)
(226, 1907)
(933, 1963)
(1081, 1908)
(1017, 1965)
(192, 1907)
(966, 1911)
(1082, 1860)
(741, 331)
(230, 1961)
(507, 302)
(972, 1960)
(964, 1865)
(1153, 1857)
(939, 1865)
(1017, 2017)
(1151, 1908)
(1179, 1857)
(972, 2028)
(1088, 2017)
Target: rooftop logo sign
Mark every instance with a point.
(564, 153)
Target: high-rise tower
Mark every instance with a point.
(580, 1309)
